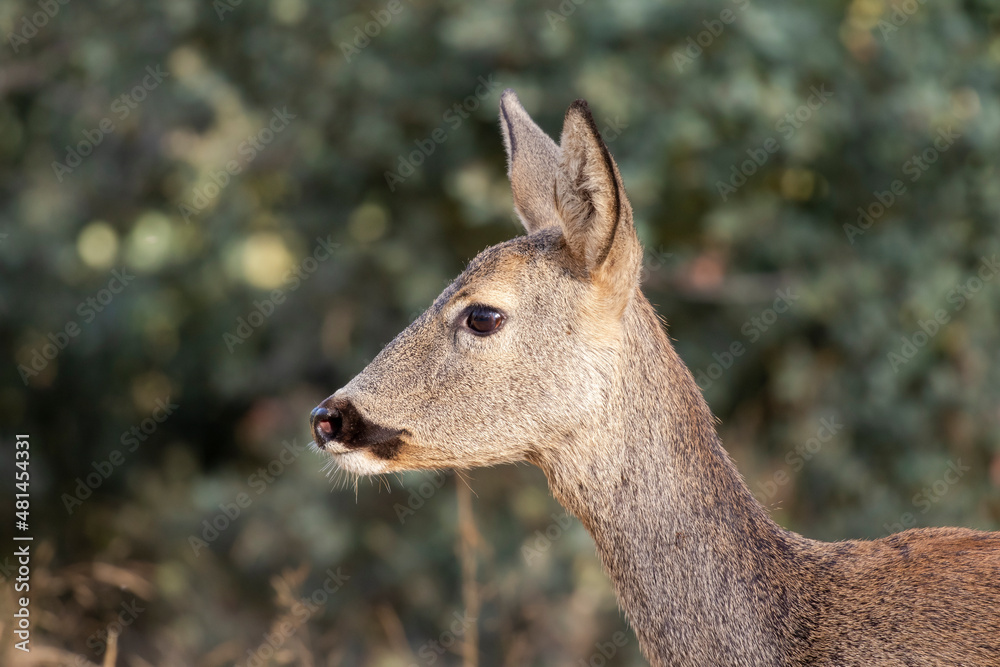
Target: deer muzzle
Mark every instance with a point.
(337, 421)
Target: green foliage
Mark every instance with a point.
(281, 193)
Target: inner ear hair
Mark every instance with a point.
(587, 194)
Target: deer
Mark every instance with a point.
(545, 350)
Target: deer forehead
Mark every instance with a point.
(503, 275)
(536, 269)
(494, 280)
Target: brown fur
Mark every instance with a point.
(582, 381)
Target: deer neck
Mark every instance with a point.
(697, 564)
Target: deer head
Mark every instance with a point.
(516, 356)
(545, 350)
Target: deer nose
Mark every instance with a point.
(338, 420)
(327, 424)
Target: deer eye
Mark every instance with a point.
(484, 321)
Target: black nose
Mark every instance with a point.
(327, 424)
(338, 420)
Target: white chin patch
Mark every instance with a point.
(361, 463)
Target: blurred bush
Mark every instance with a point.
(216, 213)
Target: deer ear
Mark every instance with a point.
(595, 214)
(532, 160)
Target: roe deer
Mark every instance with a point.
(545, 350)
